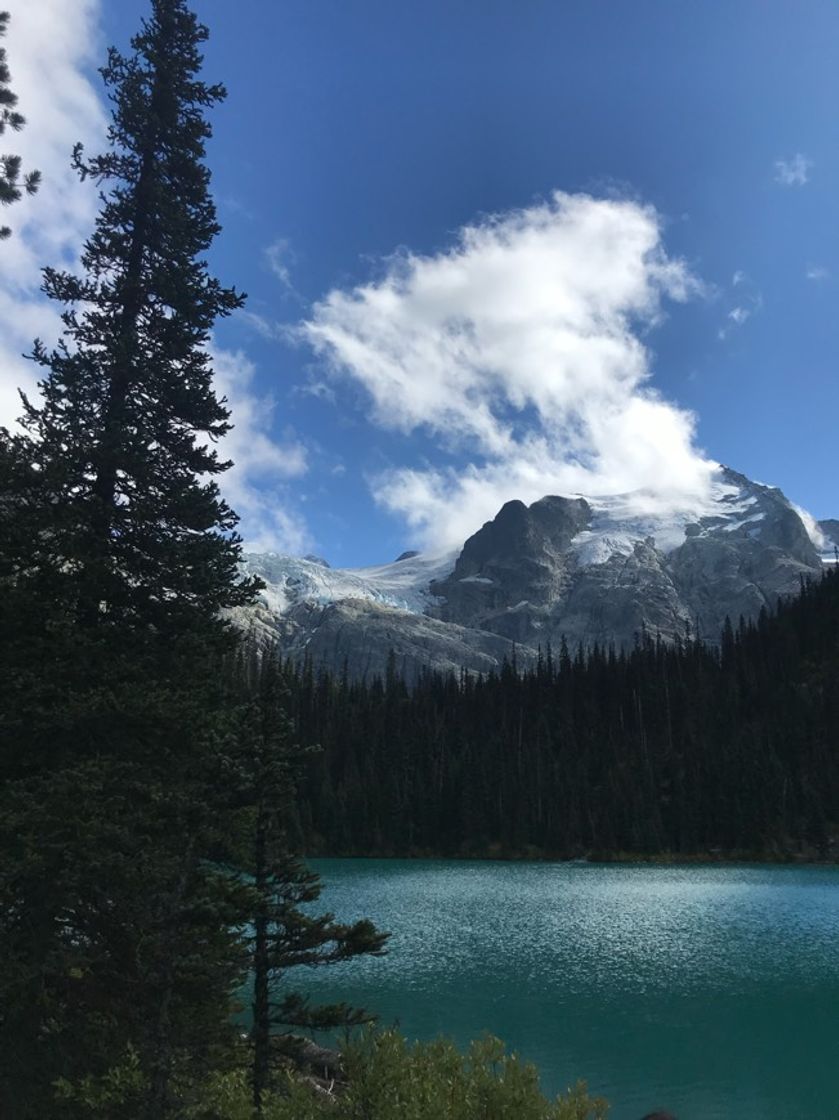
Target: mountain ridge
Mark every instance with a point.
(594, 569)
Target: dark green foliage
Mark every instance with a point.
(122, 457)
(12, 183)
(120, 940)
(683, 749)
(116, 931)
(138, 778)
(391, 1079)
(286, 933)
(118, 936)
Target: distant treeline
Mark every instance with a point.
(684, 749)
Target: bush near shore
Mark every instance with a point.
(385, 1077)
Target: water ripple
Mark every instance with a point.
(711, 989)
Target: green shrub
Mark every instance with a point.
(113, 1095)
(392, 1079)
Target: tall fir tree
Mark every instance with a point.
(117, 558)
(123, 436)
(286, 933)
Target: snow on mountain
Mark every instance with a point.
(621, 521)
(594, 569)
(403, 584)
(618, 524)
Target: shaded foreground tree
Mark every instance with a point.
(286, 933)
(117, 555)
(13, 183)
(138, 534)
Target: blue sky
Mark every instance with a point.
(692, 249)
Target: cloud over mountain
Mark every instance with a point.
(521, 348)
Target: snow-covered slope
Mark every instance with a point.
(587, 569)
(403, 584)
(622, 521)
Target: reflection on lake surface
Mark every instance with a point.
(710, 990)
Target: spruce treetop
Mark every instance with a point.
(124, 438)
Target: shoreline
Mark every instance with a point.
(660, 859)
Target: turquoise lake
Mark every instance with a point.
(712, 991)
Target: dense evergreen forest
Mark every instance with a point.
(686, 749)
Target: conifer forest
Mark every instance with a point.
(684, 749)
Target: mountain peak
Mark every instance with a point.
(586, 569)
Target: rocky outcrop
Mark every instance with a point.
(519, 558)
(588, 571)
(522, 576)
(367, 639)
(616, 600)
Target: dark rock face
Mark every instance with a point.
(559, 568)
(719, 578)
(365, 638)
(518, 560)
(734, 569)
(520, 576)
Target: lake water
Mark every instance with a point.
(711, 991)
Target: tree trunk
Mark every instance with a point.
(106, 462)
(261, 1029)
(162, 1054)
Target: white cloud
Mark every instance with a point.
(255, 484)
(735, 318)
(749, 302)
(51, 45)
(318, 389)
(266, 328)
(793, 172)
(521, 345)
(817, 272)
(279, 257)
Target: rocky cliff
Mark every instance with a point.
(587, 570)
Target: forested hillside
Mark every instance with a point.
(684, 749)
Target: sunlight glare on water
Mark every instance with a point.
(709, 990)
